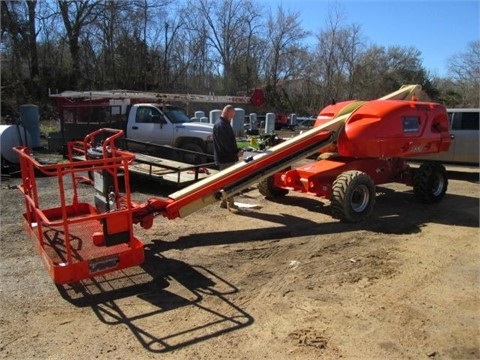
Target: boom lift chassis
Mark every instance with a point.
(78, 240)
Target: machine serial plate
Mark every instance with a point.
(105, 263)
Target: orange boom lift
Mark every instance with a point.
(362, 144)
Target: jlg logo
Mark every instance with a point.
(103, 264)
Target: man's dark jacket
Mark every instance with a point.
(224, 143)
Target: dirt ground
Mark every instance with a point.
(283, 281)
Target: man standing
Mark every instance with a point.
(225, 149)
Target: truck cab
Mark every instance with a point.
(168, 125)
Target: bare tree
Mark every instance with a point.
(284, 36)
(109, 23)
(382, 70)
(246, 66)
(465, 71)
(372, 67)
(53, 52)
(200, 65)
(19, 37)
(76, 15)
(284, 53)
(227, 30)
(146, 10)
(352, 48)
(12, 30)
(330, 55)
(221, 46)
(19, 23)
(173, 28)
(32, 39)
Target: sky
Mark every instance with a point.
(439, 29)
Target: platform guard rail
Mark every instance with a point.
(66, 234)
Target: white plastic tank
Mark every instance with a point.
(30, 119)
(269, 123)
(10, 136)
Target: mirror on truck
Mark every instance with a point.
(157, 119)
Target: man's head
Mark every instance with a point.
(228, 112)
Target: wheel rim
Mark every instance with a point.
(360, 198)
(438, 184)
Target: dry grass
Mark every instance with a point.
(48, 126)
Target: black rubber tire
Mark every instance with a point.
(353, 196)
(267, 189)
(191, 158)
(430, 183)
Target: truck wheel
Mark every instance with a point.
(353, 196)
(430, 183)
(269, 190)
(193, 158)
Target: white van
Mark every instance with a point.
(465, 147)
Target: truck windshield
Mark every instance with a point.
(176, 115)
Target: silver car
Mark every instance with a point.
(465, 147)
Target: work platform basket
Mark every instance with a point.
(88, 231)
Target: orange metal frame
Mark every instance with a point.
(374, 141)
(70, 235)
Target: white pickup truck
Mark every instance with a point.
(167, 125)
(139, 115)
